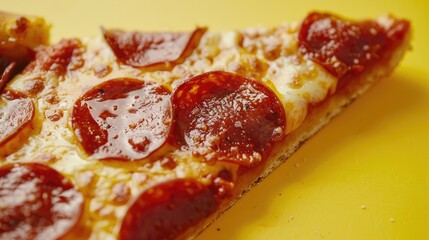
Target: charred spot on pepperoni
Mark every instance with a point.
(16, 112)
(37, 202)
(167, 210)
(344, 46)
(153, 51)
(125, 119)
(59, 58)
(227, 117)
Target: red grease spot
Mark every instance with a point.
(227, 117)
(167, 210)
(124, 118)
(36, 202)
(16, 111)
(160, 51)
(344, 46)
(61, 57)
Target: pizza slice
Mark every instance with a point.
(19, 35)
(136, 135)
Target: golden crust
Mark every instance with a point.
(314, 121)
(21, 30)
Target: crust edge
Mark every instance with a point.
(315, 120)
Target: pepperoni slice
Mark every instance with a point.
(59, 58)
(36, 202)
(159, 51)
(343, 46)
(16, 112)
(167, 210)
(227, 117)
(12, 61)
(123, 118)
(6, 74)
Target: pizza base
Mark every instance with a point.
(319, 116)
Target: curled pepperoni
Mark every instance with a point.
(343, 46)
(123, 118)
(59, 58)
(16, 112)
(12, 61)
(6, 73)
(159, 51)
(227, 117)
(167, 210)
(36, 202)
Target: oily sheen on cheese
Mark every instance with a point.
(111, 186)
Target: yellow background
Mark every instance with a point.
(364, 176)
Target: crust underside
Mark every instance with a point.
(316, 119)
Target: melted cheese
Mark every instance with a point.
(268, 55)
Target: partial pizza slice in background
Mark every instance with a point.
(19, 35)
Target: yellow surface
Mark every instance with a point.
(364, 176)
